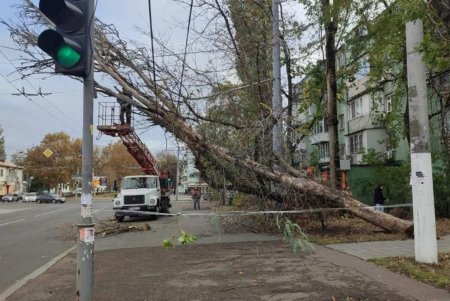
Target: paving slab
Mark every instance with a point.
(380, 249)
(229, 271)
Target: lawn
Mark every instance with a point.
(435, 274)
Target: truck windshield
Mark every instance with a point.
(137, 183)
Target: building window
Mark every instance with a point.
(356, 143)
(323, 150)
(356, 108)
(388, 104)
(363, 68)
(1, 172)
(320, 126)
(341, 121)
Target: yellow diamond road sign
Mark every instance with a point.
(48, 152)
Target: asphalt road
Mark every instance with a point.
(32, 234)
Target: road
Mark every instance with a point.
(32, 234)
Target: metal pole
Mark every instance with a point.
(277, 140)
(85, 246)
(425, 244)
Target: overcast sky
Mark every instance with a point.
(26, 121)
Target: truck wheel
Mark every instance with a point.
(120, 218)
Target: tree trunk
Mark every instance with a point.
(330, 75)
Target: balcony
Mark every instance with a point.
(318, 138)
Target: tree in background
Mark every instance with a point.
(167, 163)
(2, 146)
(115, 162)
(54, 161)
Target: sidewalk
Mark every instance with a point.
(244, 266)
(379, 249)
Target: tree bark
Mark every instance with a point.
(330, 75)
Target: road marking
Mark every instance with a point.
(5, 211)
(12, 289)
(54, 211)
(19, 220)
(100, 209)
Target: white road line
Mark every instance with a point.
(12, 289)
(100, 209)
(54, 211)
(19, 220)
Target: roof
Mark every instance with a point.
(10, 164)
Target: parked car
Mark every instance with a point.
(10, 198)
(50, 198)
(29, 197)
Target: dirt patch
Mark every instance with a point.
(339, 228)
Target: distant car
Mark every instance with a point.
(50, 198)
(29, 197)
(10, 198)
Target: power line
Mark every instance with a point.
(36, 104)
(38, 91)
(183, 66)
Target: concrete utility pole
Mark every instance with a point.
(85, 247)
(277, 107)
(178, 172)
(425, 244)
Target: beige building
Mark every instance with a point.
(11, 177)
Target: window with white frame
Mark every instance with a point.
(388, 104)
(341, 121)
(356, 143)
(320, 127)
(323, 150)
(356, 108)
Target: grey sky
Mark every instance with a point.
(26, 121)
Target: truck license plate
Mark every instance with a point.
(133, 208)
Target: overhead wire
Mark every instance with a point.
(183, 65)
(38, 91)
(153, 51)
(36, 104)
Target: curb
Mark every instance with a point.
(16, 286)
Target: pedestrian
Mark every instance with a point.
(125, 108)
(196, 198)
(378, 198)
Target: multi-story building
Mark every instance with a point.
(11, 177)
(363, 127)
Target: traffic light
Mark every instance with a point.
(69, 43)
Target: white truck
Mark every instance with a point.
(142, 193)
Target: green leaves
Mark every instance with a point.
(185, 239)
(294, 235)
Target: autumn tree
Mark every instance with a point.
(115, 162)
(54, 160)
(168, 163)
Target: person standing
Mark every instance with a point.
(196, 198)
(125, 108)
(378, 198)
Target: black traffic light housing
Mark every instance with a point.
(69, 43)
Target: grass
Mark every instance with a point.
(435, 274)
(347, 229)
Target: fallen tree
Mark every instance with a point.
(161, 103)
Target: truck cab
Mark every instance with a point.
(141, 193)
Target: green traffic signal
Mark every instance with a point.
(67, 56)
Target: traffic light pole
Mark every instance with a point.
(85, 246)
